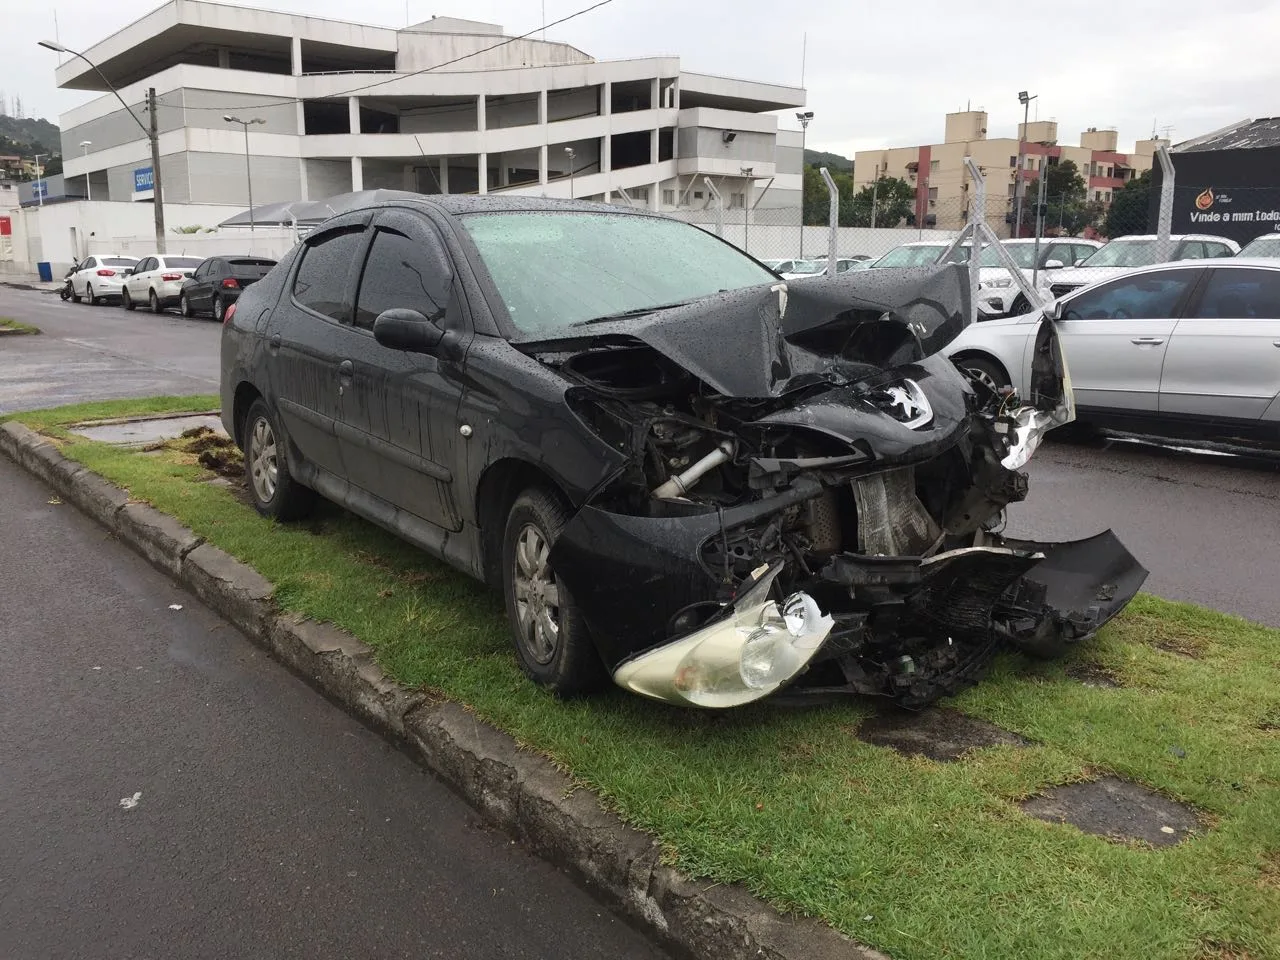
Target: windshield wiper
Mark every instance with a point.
(625, 314)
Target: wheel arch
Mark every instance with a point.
(245, 395)
(977, 353)
(500, 484)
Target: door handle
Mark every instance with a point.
(274, 343)
(346, 370)
(1147, 341)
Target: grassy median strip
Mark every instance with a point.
(8, 325)
(918, 858)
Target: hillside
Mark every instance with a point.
(832, 161)
(29, 136)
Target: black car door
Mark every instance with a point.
(399, 426)
(198, 289)
(304, 336)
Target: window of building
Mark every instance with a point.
(1013, 189)
(1013, 161)
(697, 194)
(934, 165)
(933, 193)
(321, 284)
(1110, 171)
(641, 194)
(669, 198)
(737, 200)
(1097, 194)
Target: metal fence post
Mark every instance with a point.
(715, 192)
(1164, 226)
(833, 221)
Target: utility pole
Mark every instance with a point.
(804, 119)
(1019, 184)
(39, 182)
(875, 187)
(157, 193)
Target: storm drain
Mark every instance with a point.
(1116, 809)
(939, 734)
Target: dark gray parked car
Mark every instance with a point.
(681, 471)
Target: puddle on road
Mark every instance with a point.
(147, 430)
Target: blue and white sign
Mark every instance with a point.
(144, 179)
(40, 190)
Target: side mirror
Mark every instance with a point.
(1054, 264)
(1054, 310)
(402, 329)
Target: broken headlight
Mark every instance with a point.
(748, 654)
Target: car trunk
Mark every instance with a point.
(249, 271)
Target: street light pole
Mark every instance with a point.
(1018, 182)
(248, 173)
(152, 135)
(568, 152)
(804, 119)
(39, 182)
(88, 187)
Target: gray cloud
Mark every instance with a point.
(878, 74)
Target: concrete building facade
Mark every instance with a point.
(445, 106)
(943, 188)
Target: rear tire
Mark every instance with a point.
(274, 491)
(218, 309)
(553, 645)
(126, 301)
(154, 303)
(93, 300)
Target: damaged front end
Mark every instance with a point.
(812, 499)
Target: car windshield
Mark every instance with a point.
(1262, 247)
(118, 261)
(554, 269)
(808, 266)
(1024, 255)
(1126, 253)
(918, 256)
(181, 263)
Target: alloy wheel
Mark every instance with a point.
(263, 466)
(985, 378)
(537, 595)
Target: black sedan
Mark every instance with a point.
(218, 283)
(681, 472)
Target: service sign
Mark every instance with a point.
(143, 180)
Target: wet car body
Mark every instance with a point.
(774, 487)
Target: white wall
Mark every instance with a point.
(273, 243)
(327, 178)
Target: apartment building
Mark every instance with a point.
(444, 106)
(943, 187)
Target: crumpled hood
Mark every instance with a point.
(743, 343)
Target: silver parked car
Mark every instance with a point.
(1180, 349)
(1125, 253)
(1267, 245)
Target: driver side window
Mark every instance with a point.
(1147, 296)
(404, 273)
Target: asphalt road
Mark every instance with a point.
(268, 823)
(100, 353)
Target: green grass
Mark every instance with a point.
(790, 803)
(17, 326)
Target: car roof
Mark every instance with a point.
(458, 204)
(1176, 236)
(1265, 263)
(1044, 240)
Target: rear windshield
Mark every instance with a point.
(1127, 253)
(251, 268)
(919, 256)
(118, 261)
(182, 263)
(1024, 255)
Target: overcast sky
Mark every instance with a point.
(878, 74)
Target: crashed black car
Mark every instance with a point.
(681, 471)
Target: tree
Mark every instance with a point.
(1129, 207)
(1066, 199)
(894, 199)
(817, 199)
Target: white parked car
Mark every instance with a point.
(799, 269)
(1267, 245)
(999, 295)
(1180, 349)
(100, 277)
(1125, 253)
(918, 253)
(157, 281)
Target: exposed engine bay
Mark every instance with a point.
(813, 499)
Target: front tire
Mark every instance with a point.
(987, 371)
(126, 301)
(553, 646)
(275, 492)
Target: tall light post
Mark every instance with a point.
(248, 174)
(39, 182)
(804, 119)
(746, 208)
(88, 187)
(568, 152)
(1019, 182)
(151, 132)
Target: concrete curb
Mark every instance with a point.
(518, 791)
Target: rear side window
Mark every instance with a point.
(398, 274)
(321, 283)
(1217, 249)
(1241, 295)
(1192, 250)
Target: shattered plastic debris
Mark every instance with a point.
(175, 606)
(55, 501)
(128, 803)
